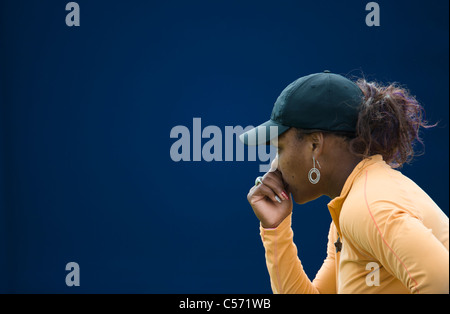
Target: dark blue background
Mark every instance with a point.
(86, 114)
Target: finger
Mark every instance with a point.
(275, 183)
(284, 184)
(264, 190)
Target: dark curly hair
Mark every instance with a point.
(389, 122)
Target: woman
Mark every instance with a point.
(343, 139)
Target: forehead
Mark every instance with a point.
(283, 138)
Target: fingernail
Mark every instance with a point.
(278, 199)
(284, 194)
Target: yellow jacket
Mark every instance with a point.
(394, 240)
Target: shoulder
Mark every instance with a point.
(380, 188)
(378, 195)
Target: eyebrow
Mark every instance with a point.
(282, 136)
(276, 141)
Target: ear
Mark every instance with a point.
(317, 141)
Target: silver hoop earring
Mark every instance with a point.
(315, 171)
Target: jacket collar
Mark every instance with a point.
(335, 205)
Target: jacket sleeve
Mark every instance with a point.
(407, 249)
(285, 269)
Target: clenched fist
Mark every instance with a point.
(270, 199)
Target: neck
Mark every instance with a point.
(339, 174)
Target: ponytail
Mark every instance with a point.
(388, 123)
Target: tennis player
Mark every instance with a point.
(344, 139)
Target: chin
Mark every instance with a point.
(300, 200)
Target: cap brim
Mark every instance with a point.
(263, 134)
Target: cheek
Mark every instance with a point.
(295, 173)
(291, 172)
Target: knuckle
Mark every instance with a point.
(250, 193)
(266, 178)
(272, 180)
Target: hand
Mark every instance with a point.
(263, 199)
